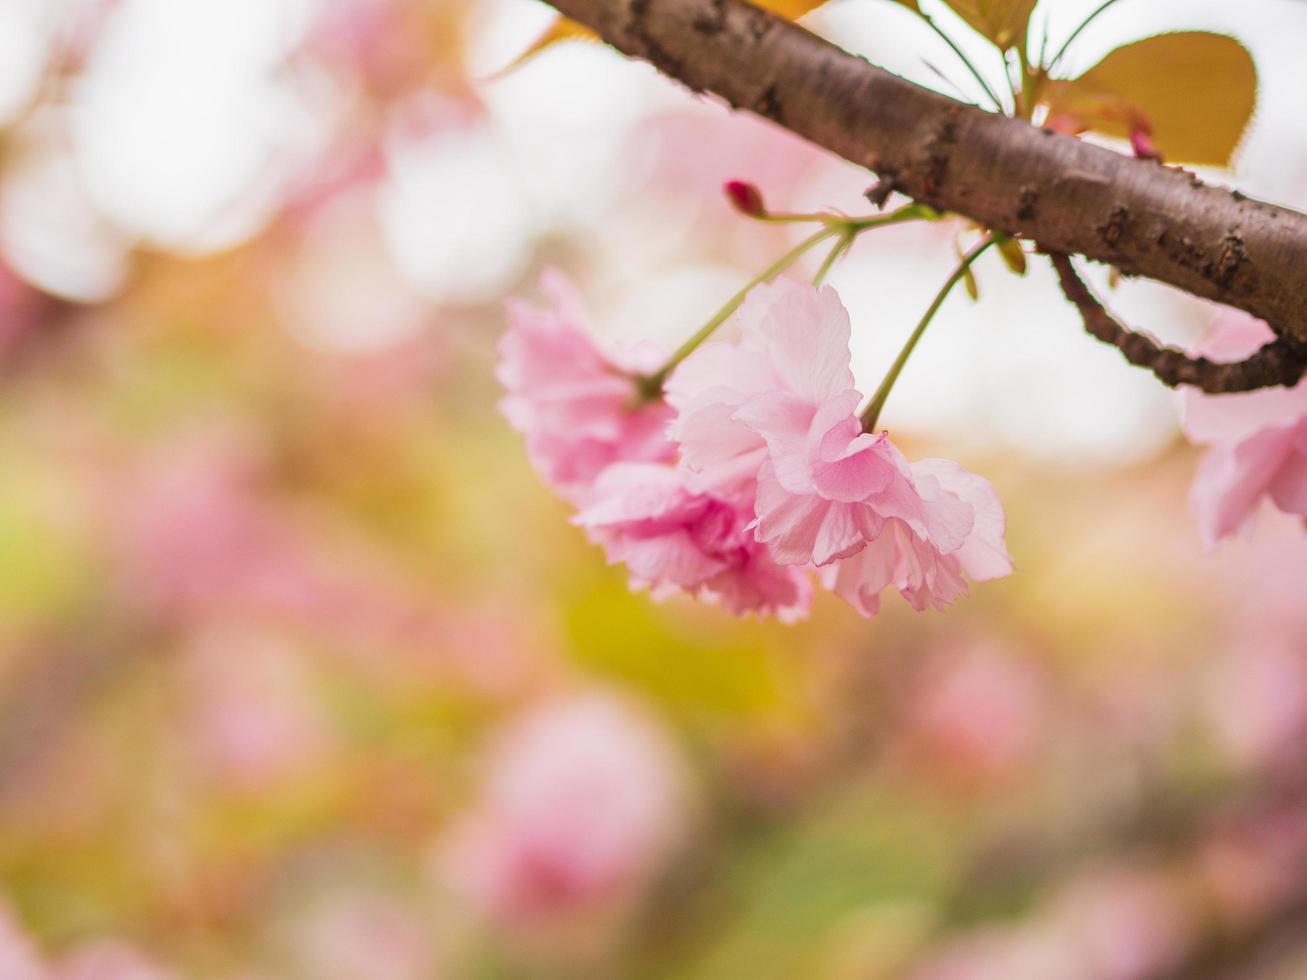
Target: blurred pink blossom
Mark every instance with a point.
(1029, 953)
(20, 959)
(976, 715)
(1254, 863)
(698, 148)
(583, 801)
(254, 716)
(1258, 439)
(108, 959)
(1118, 925)
(363, 936)
(1257, 697)
(674, 540)
(575, 405)
(1124, 924)
(191, 530)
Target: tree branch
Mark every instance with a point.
(1068, 195)
(1275, 364)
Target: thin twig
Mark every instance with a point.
(1278, 363)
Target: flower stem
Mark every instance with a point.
(1053, 65)
(975, 72)
(847, 229)
(871, 414)
(842, 246)
(652, 385)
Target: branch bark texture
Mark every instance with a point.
(1067, 195)
(1277, 363)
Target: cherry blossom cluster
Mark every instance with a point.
(746, 477)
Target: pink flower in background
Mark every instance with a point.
(109, 960)
(583, 801)
(20, 959)
(193, 532)
(1258, 440)
(1124, 923)
(575, 406)
(255, 718)
(674, 540)
(1256, 697)
(975, 715)
(1116, 925)
(996, 953)
(363, 935)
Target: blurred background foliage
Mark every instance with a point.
(303, 675)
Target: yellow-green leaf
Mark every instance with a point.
(568, 30)
(1193, 92)
(1005, 22)
(1013, 255)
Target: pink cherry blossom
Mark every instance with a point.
(780, 407)
(1258, 440)
(584, 800)
(575, 405)
(919, 568)
(675, 540)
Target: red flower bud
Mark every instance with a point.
(745, 198)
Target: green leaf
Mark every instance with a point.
(1013, 255)
(1005, 22)
(1193, 92)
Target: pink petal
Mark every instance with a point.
(1232, 478)
(789, 523)
(783, 421)
(1288, 488)
(1224, 418)
(983, 554)
(804, 334)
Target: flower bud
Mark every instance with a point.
(745, 198)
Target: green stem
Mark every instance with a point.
(842, 246)
(1025, 107)
(847, 229)
(871, 414)
(975, 72)
(652, 385)
(1053, 65)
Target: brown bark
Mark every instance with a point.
(1069, 196)
(1277, 363)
